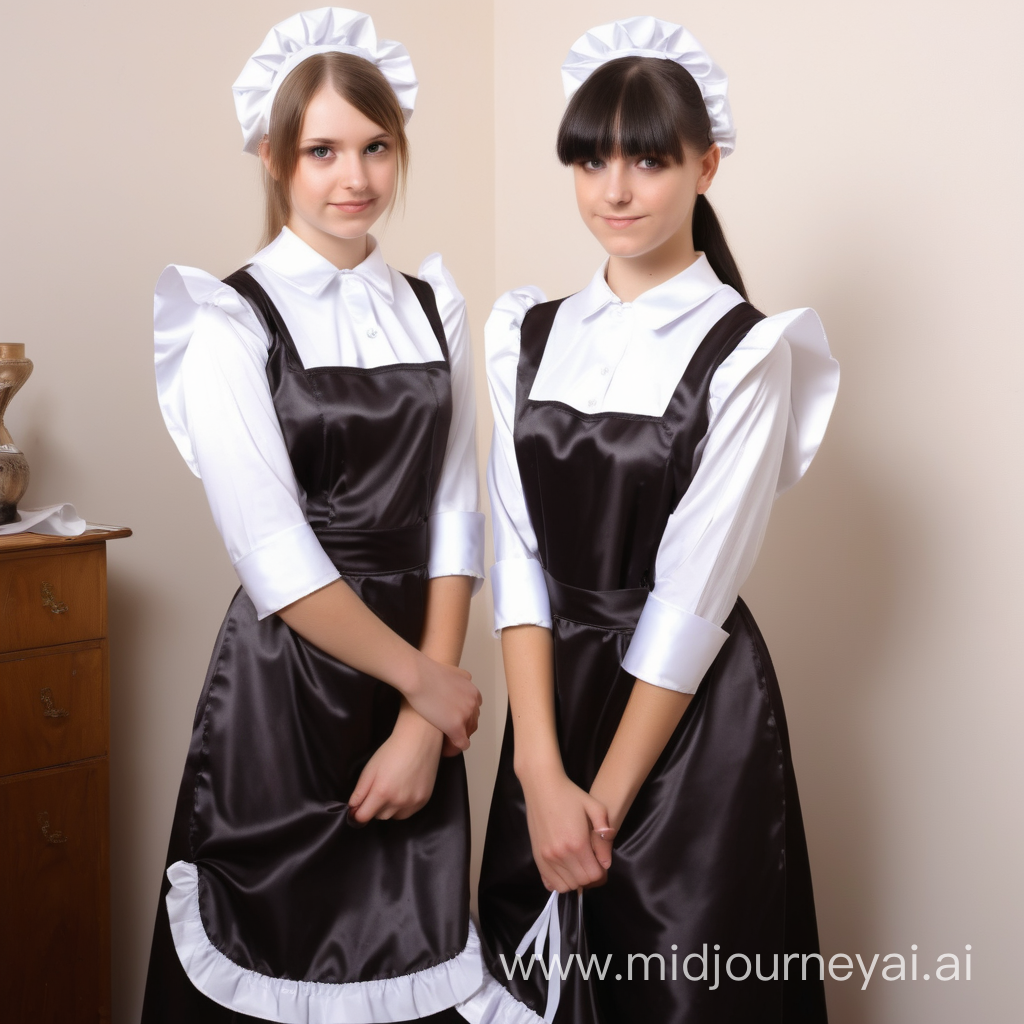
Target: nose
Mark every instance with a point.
(352, 173)
(617, 190)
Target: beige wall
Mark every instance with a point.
(877, 179)
(123, 155)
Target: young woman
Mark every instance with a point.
(318, 863)
(643, 427)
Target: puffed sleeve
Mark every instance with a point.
(211, 357)
(770, 402)
(517, 580)
(456, 523)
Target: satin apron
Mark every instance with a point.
(288, 887)
(711, 858)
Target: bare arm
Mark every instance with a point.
(445, 625)
(447, 618)
(399, 778)
(336, 620)
(529, 673)
(647, 724)
(560, 815)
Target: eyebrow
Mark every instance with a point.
(319, 141)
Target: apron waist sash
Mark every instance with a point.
(605, 609)
(375, 552)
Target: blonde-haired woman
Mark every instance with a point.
(318, 863)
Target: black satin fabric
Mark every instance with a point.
(711, 858)
(288, 886)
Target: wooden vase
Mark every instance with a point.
(14, 371)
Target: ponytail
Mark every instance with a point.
(645, 106)
(709, 238)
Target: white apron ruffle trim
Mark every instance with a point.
(492, 1003)
(307, 1002)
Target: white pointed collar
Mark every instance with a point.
(659, 306)
(289, 257)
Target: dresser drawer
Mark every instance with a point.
(53, 709)
(52, 599)
(54, 886)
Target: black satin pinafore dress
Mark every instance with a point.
(711, 859)
(310, 918)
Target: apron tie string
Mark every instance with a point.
(547, 927)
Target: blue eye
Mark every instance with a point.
(376, 147)
(650, 162)
(320, 152)
(593, 165)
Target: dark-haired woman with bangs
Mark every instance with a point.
(645, 828)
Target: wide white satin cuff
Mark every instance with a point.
(457, 545)
(520, 594)
(671, 647)
(289, 565)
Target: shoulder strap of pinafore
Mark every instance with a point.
(689, 403)
(273, 323)
(266, 312)
(425, 294)
(533, 339)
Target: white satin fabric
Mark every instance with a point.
(492, 1003)
(769, 404)
(653, 37)
(290, 42)
(406, 997)
(211, 356)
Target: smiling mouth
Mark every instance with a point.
(353, 206)
(620, 222)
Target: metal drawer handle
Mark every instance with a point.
(53, 837)
(49, 711)
(51, 602)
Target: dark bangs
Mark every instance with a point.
(636, 106)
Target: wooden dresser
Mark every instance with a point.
(54, 806)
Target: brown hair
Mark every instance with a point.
(640, 107)
(355, 80)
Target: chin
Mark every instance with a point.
(349, 230)
(617, 245)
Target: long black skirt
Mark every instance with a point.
(710, 885)
(275, 906)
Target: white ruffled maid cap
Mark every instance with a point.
(325, 30)
(652, 37)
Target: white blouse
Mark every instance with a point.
(211, 372)
(769, 404)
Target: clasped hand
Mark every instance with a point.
(441, 710)
(399, 778)
(564, 822)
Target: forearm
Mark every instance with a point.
(447, 618)
(529, 675)
(336, 620)
(647, 724)
(399, 778)
(560, 816)
(444, 633)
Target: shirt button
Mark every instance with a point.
(371, 332)
(592, 403)
(604, 371)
